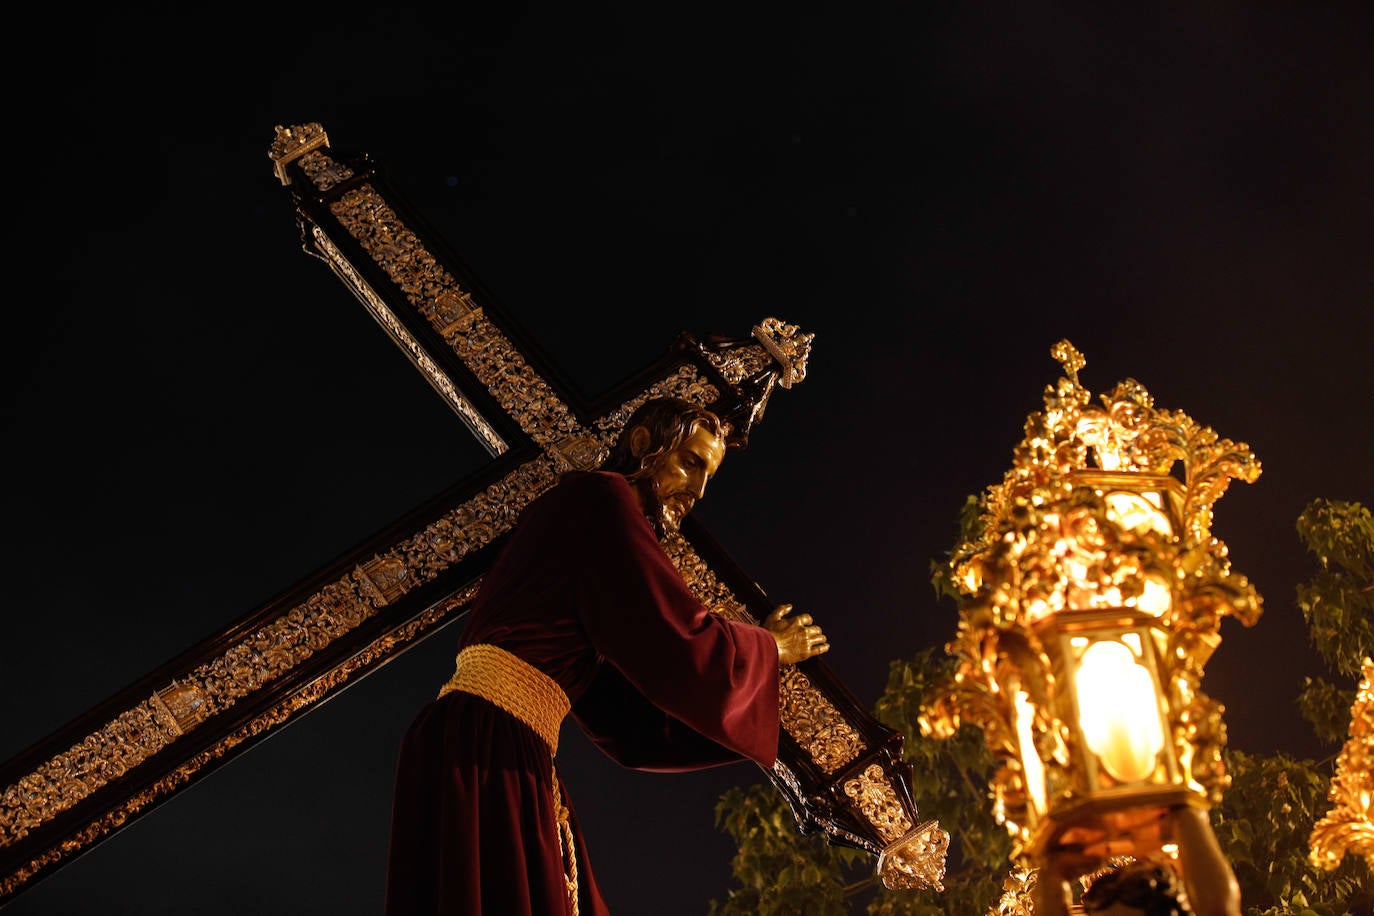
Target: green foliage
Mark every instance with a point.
(949, 778)
(970, 528)
(1326, 708)
(779, 871)
(949, 782)
(1338, 603)
(1266, 817)
(1338, 606)
(1263, 824)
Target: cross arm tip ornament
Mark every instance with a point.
(917, 860)
(786, 349)
(291, 143)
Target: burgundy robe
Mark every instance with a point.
(584, 592)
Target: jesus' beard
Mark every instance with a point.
(656, 511)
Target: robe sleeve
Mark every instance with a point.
(717, 676)
(633, 732)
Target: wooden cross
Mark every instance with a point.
(841, 770)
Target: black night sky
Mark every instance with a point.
(196, 413)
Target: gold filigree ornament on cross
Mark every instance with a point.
(1090, 603)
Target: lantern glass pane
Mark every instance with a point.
(1118, 711)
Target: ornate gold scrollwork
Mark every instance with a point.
(917, 860)
(383, 579)
(582, 452)
(182, 704)
(292, 143)
(383, 647)
(871, 793)
(1018, 892)
(816, 725)
(786, 344)
(1349, 825)
(914, 857)
(450, 304)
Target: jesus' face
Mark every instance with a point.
(679, 477)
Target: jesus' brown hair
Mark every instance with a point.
(669, 421)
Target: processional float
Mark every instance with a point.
(841, 771)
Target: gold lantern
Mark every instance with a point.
(1093, 598)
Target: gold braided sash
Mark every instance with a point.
(516, 686)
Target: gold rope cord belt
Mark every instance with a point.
(516, 686)
(532, 697)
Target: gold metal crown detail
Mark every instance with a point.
(1127, 434)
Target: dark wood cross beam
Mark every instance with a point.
(841, 771)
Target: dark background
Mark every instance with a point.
(196, 413)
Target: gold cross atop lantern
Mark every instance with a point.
(1092, 600)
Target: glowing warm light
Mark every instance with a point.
(1138, 512)
(1118, 712)
(1076, 569)
(971, 580)
(1109, 459)
(1030, 758)
(1156, 597)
